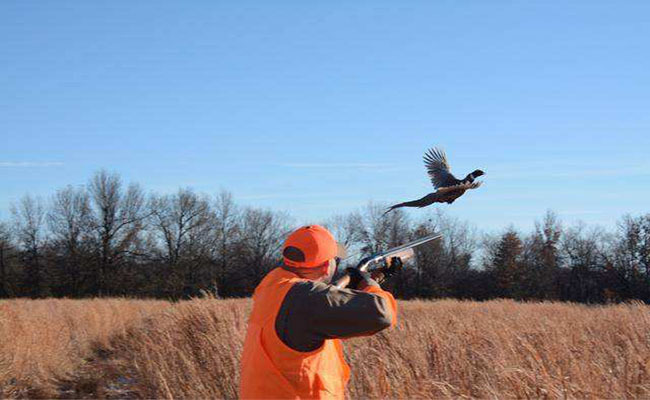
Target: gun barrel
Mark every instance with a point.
(405, 251)
(395, 251)
(410, 245)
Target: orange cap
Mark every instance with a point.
(311, 246)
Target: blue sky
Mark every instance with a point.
(318, 109)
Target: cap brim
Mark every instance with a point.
(341, 251)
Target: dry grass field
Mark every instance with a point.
(121, 348)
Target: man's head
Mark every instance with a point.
(310, 252)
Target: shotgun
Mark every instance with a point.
(404, 252)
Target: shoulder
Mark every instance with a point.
(309, 297)
(306, 291)
(294, 324)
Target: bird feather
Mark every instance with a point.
(461, 186)
(438, 168)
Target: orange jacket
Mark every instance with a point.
(272, 370)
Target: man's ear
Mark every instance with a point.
(331, 271)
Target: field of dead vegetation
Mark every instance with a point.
(119, 348)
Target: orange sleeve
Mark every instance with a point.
(387, 296)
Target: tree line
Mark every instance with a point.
(107, 238)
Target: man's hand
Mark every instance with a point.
(391, 268)
(356, 277)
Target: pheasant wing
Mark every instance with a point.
(460, 186)
(438, 169)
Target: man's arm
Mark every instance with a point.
(312, 312)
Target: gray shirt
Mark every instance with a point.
(314, 311)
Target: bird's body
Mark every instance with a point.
(449, 188)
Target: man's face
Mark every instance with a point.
(331, 270)
(326, 273)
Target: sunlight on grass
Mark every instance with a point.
(497, 349)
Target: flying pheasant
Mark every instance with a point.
(448, 187)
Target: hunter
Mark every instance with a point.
(293, 345)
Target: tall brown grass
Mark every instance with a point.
(44, 343)
(442, 349)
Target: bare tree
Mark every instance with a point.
(345, 230)
(375, 231)
(175, 216)
(182, 222)
(258, 248)
(6, 249)
(632, 256)
(117, 217)
(585, 252)
(69, 223)
(227, 231)
(549, 232)
(441, 265)
(459, 238)
(28, 218)
(541, 258)
(69, 216)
